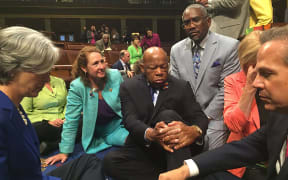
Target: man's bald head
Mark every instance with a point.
(153, 53)
(155, 66)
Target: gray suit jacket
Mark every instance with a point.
(220, 59)
(229, 17)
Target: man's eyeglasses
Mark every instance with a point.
(196, 21)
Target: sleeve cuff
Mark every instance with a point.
(193, 168)
(148, 143)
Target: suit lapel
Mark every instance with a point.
(188, 62)
(207, 58)
(278, 129)
(145, 98)
(161, 98)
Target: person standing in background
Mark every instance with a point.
(229, 17)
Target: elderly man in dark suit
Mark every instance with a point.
(270, 142)
(123, 64)
(164, 121)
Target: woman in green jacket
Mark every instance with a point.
(94, 93)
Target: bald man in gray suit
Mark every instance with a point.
(218, 59)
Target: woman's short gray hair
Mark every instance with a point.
(25, 50)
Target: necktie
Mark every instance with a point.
(196, 60)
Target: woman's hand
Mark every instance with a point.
(56, 122)
(177, 174)
(58, 157)
(250, 77)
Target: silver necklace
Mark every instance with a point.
(23, 117)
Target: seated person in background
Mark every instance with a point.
(26, 58)
(104, 43)
(135, 50)
(123, 64)
(46, 112)
(163, 119)
(150, 39)
(240, 109)
(95, 93)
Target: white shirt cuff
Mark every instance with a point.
(193, 168)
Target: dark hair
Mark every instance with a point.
(276, 33)
(135, 36)
(122, 53)
(147, 29)
(82, 61)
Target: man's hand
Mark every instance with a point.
(203, 2)
(130, 74)
(157, 134)
(56, 122)
(180, 135)
(177, 174)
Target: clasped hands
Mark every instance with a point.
(172, 136)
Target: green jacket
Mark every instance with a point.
(47, 105)
(81, 99)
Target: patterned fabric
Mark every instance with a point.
(196, 60)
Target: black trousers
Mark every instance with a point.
(49, 134)
(223, 175)
(52, 135)
(134, 161)
(86, 167)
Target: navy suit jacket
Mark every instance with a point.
(263, 145)
(118, 65)
(19, 145)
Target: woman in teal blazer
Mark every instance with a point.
(95, 94)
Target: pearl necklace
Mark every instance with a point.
(23, 117)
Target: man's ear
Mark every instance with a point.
(142, 67)
(209, 21)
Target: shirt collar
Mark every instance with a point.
(203, 42)
(123, 64)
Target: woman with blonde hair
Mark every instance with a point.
(241, 114)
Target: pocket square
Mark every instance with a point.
(215, 63)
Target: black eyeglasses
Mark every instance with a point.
(196, 20)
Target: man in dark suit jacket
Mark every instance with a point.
(123, 64)
(165, 122)
(270, 142)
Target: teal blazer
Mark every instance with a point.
(81, 99)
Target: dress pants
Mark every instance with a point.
(86, 167)
(223, 175)
(135, 161)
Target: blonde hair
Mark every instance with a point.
(248, 49)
